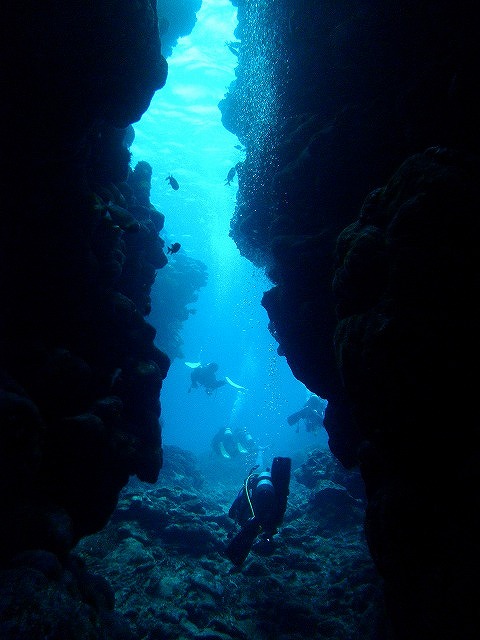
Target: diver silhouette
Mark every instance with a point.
(230, 444)
(204, 376)
(259, 509)
(312, 413)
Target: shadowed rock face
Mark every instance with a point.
(176, 19)
(363, 210)
(315, 578)
(361, 202)
(77, 354)
(80, 375)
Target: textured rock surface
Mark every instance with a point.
(80, 374)
(164, 555)
(358, 194)
(361, 199)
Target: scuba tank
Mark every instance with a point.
(280, 473)
(239, 547)
(259, 507)
(264, 501)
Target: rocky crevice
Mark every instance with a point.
(365, 222)
(80, 371)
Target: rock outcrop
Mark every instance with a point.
(80, 372)
(358, 195)
(164, 554)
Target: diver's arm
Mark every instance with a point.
(296, 417)
(194, 380)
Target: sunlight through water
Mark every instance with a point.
(182, 135)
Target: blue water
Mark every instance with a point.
(181, 134)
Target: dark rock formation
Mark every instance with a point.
(71, 340)
(80, 373)
(337, 104)
(372, 302)
(177, 288)
(404, 339)
(176, 19)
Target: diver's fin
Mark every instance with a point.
(233, 384)
(193, 365)
(295, 417)
(239, 546)
(241, 449)
(223, 451)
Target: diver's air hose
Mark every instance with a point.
(246, 489)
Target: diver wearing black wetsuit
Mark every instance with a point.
(204, 375)
(259, 509)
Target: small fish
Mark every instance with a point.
(173, 183)
(230, 175)
(174, 248)
(233, 46)
(239, 147)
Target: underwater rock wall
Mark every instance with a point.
(362, 207)
(175, 19)
(80, 372)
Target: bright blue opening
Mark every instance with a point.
(181, 134)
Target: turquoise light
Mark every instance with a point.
(181, 135)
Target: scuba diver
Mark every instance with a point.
(312, 412)
(229, 444)
(259, 509)
(204, 375)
